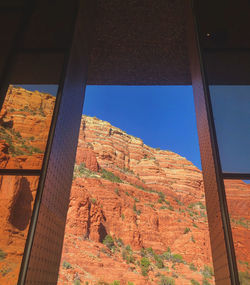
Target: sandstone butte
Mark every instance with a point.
(136, 214)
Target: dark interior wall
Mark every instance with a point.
(7, 34)
(225, 42)
(136, 42)
(140, 42)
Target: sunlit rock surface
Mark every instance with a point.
(153, 205)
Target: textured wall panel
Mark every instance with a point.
(140, 42)
(48, 238)
(212, 181)
(8, 33)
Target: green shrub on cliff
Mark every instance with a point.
(2, 254)
(163, 208)
(128, 248)
(150, 251)
(159, 263)
(171, 208)
(5, 270)
(177, 258)
(93, 200)
(145, 263)
(115, 283)
(242, 222)
(167, 255)
(138, 212)
(187, 230)
(192, 239)
(110, 176)
(17, 145)
(244, 278)
(161, 196)
(66, 265)
(127, 170)
(207, 272)
(108, 241)
(166, 281)
(143, 252)
(194, 282)
(128, 256)
(119, 242)
(81, 170)
(192, 267)
(178, 202)
(136, 200)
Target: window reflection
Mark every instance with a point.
(17, 195)
(238, 200)
(231, 110)
(25, 121)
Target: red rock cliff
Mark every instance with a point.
(153, 203)
(150, 203)
(24, 126)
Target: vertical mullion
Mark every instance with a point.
(42, 260)
(225, 266)
(37, 203)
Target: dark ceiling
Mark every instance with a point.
(144, 42)
(136, 42)
(140, 42)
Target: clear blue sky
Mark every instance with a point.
(162, 116)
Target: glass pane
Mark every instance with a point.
(225, 50)
(231, 110)
(238, 200)
(17, 196)
(137, 211)
(25, 121)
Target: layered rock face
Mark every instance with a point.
(151, 202)
(136, 215)
(24, 126)
(238, 199)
